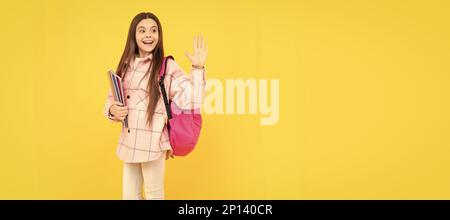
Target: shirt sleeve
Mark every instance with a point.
(187, 91)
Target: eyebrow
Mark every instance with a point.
(144, 27)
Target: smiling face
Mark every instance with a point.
(146, 36)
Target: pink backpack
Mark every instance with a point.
(184, 125)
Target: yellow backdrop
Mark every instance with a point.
(363, 90)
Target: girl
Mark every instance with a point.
(144, 144)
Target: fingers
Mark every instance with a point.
(122, 110)
(119, 111)
(116, 118)
(195, 44)
(117, 103)
(119, 106)
(200, 42)
(122, 114)
(120, 117)
(200, 50)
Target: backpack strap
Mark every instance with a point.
(162, 75)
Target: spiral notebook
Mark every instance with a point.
(117, 91)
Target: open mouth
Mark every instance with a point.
(147, 42)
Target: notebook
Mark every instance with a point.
(117, 91)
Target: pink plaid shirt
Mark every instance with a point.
(141, 142)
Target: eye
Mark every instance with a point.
(141, 31)
(154, 30)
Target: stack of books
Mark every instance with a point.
(117, 91)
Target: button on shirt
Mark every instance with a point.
(141, 142)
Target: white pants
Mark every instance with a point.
(148, 174)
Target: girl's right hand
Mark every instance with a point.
(118, 111)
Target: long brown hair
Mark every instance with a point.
(131, 50)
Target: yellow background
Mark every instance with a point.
(364, 99)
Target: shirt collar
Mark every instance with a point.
(148, 57)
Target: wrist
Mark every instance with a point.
(197, 67)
